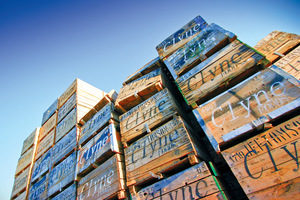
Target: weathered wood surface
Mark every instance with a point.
(99, 148)
(65, 146)
(48, 126)
(150, 66)
(225, 65)
(98, 121)
(196, 182)
(45, 144)
(21, 182)
(62, 174)
(263, 97)
(106, 181)
(291, 63)
(38, 191)
(139, 90)
(41, 166)
(22, 196)
(31, 140)
(66, 125)
(150, 113)
(211, 39)
(165, 144)
(68, 194)
(25, 160)
(66, 108)
(65, 96)
(50, 111)
(180, 37)
(268, 159)
(275, 43)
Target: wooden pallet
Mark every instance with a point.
(21, 183)
(31, 140)
(68, 193)
(268, 161)
(45, 144)
(266, 96)
(233, 63)
(39, 189)
(65, 125)
(25, 160)
(41, 166)
(107, 181)
(67, 107)
(50, 111)
(21, 196)
(48, 126)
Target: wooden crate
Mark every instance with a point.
(50, 111)
(268, 162)
(66, 107)
(196, 182)
(21, 196)
(39, 189)
(31, 140)
(215, 73)
(45, 144)
(21, 183)
(164, 149)
(151, 113)
(41, 166)
(48, 126)
(277, 43)
(65, 146)
(25, 160)
(291, 63)
(139, 90)
(265, 96)
(103, 117)
(68, 194)
(211, 39)
(66, 125)
(98, 149)
(62, 175)
(180, 37)
(105, 182)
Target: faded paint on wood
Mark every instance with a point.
(21, 182)
(265, 96)
(39, 190)
(277, 42)
(105, 181)
(65, 146)
(25, 160)
(48, 126)
(21, 196)
(291, 63)
(154, 111)
(41, 166)
(50, 111)
(67, 194)
(66, 125)
(45, 144)
(206, 43)
(66, 108)
(31, 140)
(223, 66)
(180, 37)
(101, 146)
(62, 174)
(65, 96)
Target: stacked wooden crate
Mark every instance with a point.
(24, 167)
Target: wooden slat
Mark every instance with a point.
(65, 96)
(21, 196)
(30, 140)
(25, 160)
(48, 126)
(291, 63)
(105, 181)
(50, 111)
(66, 108)
(67, 194)
(66, 125)
(62, 174)
(41, 166)
(21, 182)
(153, 111)
(39, 189)
(277, 42)
(180, 37)
(45, 144)
(207, 42)
(265, 96)
(225, 65)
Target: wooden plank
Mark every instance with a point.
(65, 96)
(39, 189)
(21, 182)
(224, 66)
(154, 111)
(66, 108)
(50, 111)
(62, 174)
(31, 140)
(25, 160)
(41, 166)
(45, 144)
(277, 42)
(67, 194)
(211, 39)
(105, 182)
(97, 122)
(99, 148)
(291, 63)
(48, 126)
(265, 96)
(66, 125)
(180, 37)
(21, 196)
(65, 146)
(139, 90)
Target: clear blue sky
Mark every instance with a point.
(46, 44)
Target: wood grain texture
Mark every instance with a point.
(48, 126)
(31, 140)
(45, 144)
(25, 160)
(21, 182)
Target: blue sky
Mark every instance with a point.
(46, 44)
